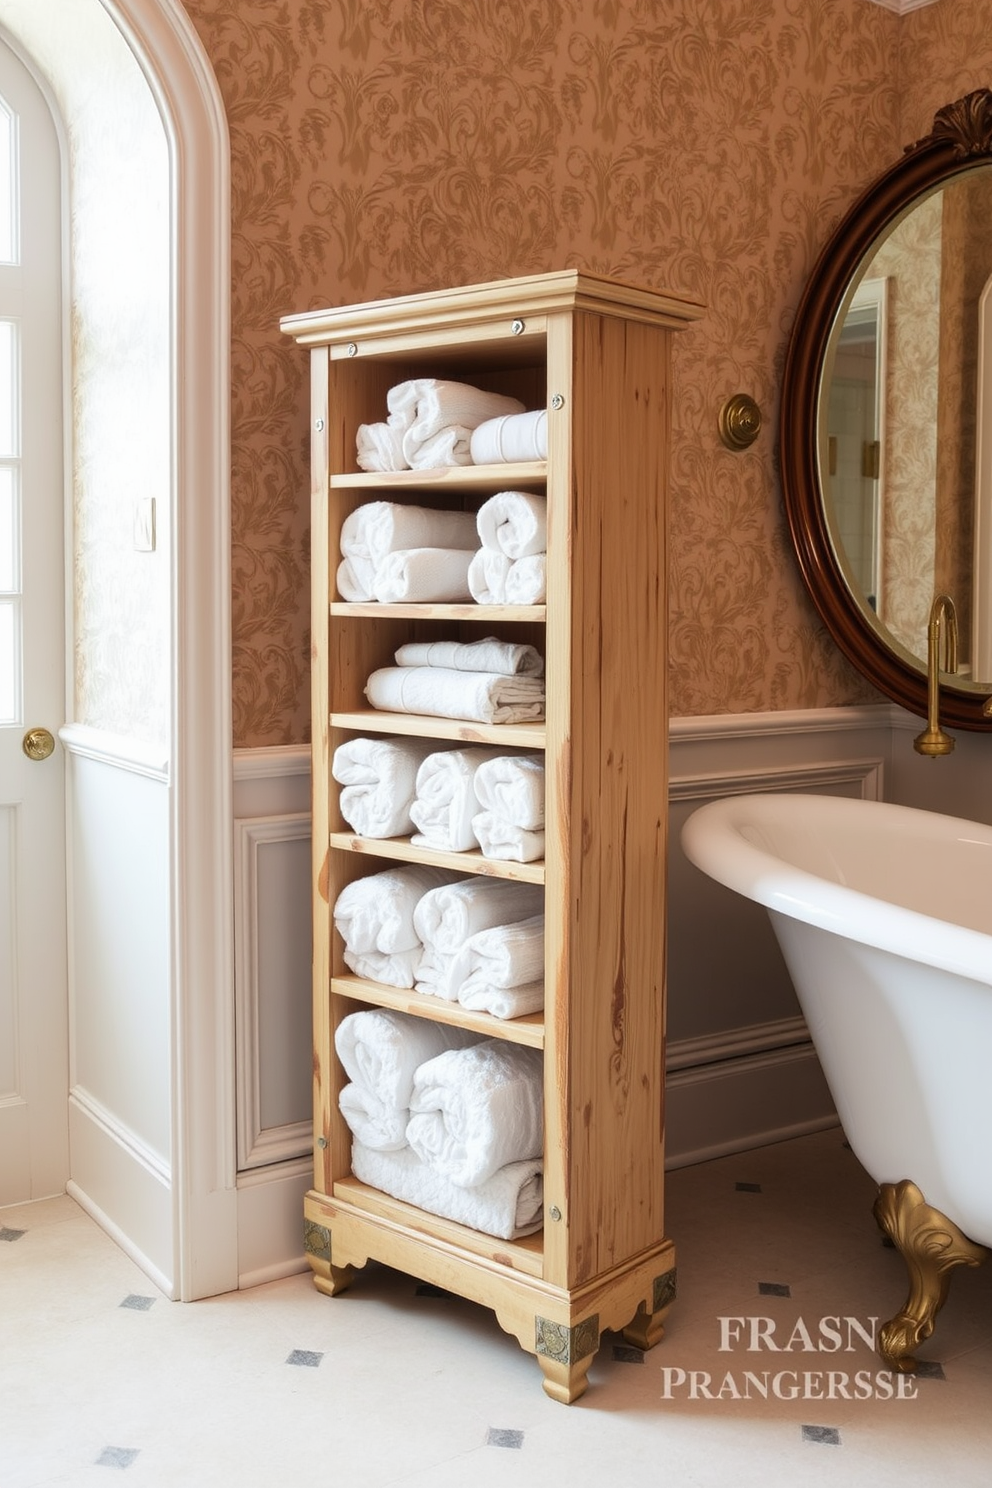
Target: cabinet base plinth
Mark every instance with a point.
(562, 1327)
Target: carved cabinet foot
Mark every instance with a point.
(931, 1246)
(647, 1326)
(564, 1354)
(565, 1382)
(327, 1278)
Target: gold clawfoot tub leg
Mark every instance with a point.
(931, 1245)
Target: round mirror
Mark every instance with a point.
(886, 430)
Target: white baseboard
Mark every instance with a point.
(124, 1187)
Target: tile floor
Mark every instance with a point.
(394, 1385)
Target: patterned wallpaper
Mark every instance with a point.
(702, 146)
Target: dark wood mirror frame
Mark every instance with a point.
(960, 139)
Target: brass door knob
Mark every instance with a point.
(38, 744)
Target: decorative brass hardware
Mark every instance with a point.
(740, 421)
(931, 1245)
(38, 744)
(933, 741)
(564, 1344)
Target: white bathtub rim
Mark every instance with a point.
(711, 840)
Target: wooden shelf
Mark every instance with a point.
(526, 1030)
(341, 609)
(424, 726)
(404, 851)
(483, 478)
(524, 1255)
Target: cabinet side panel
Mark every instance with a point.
(618, 802)
(320, 566)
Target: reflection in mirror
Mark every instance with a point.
(898, 416)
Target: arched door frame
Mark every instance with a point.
(162, 39)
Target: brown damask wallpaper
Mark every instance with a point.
(703, 146)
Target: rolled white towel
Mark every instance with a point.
(381, 1049)
(514, 436)
(514, 523)
(391, 968)
(474, 1110)
(510, 658)
(505, 970)
(375, 913)
(441, 418)
(503, 1002)
(527, 580)
(441, 692)
(379, 776)
(512, 786)
(380, 447)
(503, 842)
(422, 576)
(379, 1126)
(445, 803)
(356, 580)
(439, 973)
(380, 527)
(508, 1206)
(446, 917)
(487, 575)
(495, 579)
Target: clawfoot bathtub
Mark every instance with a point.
(884, 916)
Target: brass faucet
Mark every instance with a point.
(933, 741)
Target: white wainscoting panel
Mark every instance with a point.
(273, 1008)
(741, 1068)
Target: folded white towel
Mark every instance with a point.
(391, 968)
(380, 527)
(445, 803)
(446, 917)
(509, 658)
(474, 1110)
(494, 578)
(509, 1205)
(440, 418)
(514, 523)
(503, 842)
(503, 1002)
(382, 1049)
(512, 786)
(481, 697)
(379, 776)
(375, 913)
(505, 970)
(439, 973)
(514, 436)
(506, 955)
(423, 576)
(380, 447)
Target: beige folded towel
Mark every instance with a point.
(440, 692)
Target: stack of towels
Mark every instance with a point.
(450, 799)
(445, 1119)
(429, 423)
(511, 565)
(477, 941)
(400, 554)
(483, 945)
(488, 681)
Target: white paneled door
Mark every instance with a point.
(33, 1017)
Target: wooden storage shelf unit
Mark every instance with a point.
(596, 354)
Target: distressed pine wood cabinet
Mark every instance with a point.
(597, 354)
